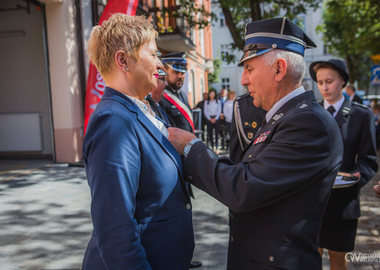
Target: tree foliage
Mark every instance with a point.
(238, 13)
(351, 30)
(214, 77)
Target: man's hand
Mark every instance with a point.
(376, 189)
(179, 138)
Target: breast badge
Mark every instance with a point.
(254, 124)
(261, 138)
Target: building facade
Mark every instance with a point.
(43, 71)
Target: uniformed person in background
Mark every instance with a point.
(175, 102)
(357, 127)
(157, 94)
(246, 120)
(278, 193)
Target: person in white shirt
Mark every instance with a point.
(212, 111)
(228, 112)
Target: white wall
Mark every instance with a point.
(23, 74)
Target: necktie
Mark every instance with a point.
(331, 110)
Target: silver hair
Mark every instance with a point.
(295, 61)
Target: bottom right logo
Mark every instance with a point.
(362, 257)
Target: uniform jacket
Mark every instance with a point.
(357, 127)
(357, 99)
(173, 113)
(278, 193)
(159, 110)
(246, 120)
(140, 207)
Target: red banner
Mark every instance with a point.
(95, 83)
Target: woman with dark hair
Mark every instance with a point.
(212, 111)
(356, 123)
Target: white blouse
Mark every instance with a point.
(150, 114)
(212, 108)
(228, 110)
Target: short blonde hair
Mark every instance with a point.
(119, 32)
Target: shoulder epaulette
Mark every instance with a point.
(360, 105)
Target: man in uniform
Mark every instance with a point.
(277, 194)
(175, 102)
(246, 120)
(156, 96)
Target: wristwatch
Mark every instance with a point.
(188, 146)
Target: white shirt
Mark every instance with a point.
(228, 110)
(212, 108)
(282, 101)
(147, 110)
(336, 106)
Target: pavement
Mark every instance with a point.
(45, 220)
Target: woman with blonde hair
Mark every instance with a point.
(140, 207)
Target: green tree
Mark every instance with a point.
(214, 77)
(238, 13)
(351, 30)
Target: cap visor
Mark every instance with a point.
(250, 54)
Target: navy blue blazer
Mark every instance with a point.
(140, 207)
(357, 126)
(278, 193)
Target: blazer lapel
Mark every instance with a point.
(342, 116)
(160, 138)
(148, 125)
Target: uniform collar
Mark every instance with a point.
(282, 101)
(337, 105)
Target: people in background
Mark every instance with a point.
(200, 105)
(213, 110)
(156, 96)
(228, 112)
(175, 101)
(376, 113)
(222, 96)
(246, 121)
(351, 92)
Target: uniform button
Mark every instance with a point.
(249, 156)
(231, 238)
(271, 259)
(188, 206)
(190, 178)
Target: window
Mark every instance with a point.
(224, 53)
(226, 83)
(221, 19)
